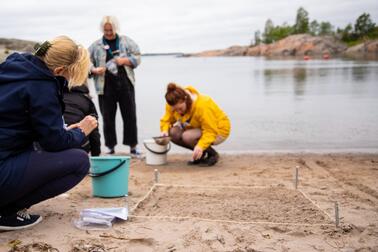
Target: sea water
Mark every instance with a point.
(274, 105)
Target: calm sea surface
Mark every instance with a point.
(274, 105)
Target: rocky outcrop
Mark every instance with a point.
(8, 46)
(231, 51)
(17, 44)
(368, 49)
(4, 54)
(295, 45)
(259, 50)
(305, 45)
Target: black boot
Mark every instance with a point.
(198, 161)
(212, 157)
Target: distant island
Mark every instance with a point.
(300, 45)
(177, 54)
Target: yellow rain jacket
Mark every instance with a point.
(205, 114)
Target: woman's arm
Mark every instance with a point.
(208, 127)
(93, 69)
(133, 58)
(167, 120)
(46, 118)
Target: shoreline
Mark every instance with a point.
(260, 189)
(299, 152)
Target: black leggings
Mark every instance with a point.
(47, 175)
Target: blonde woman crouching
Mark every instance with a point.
(39, 157)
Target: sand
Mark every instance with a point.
(245, 203)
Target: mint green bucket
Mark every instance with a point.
(110, 176)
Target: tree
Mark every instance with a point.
(267, 39)
(363, 25)
(325, 28)
(302, 20)
(257, 37)
(314, 28)
(346, 33)
(280, 32)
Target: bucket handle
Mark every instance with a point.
(156, 152)
(96, 175)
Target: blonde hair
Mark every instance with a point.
(64, 52)
(112, 20)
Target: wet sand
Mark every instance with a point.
(246, 202)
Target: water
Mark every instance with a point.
(274, 105)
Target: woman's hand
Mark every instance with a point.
(98, 70)
(197, 153)
(87, 125)
(121, 61)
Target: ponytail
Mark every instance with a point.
(176, 94)
(64, 52)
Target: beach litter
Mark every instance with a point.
(100, 218)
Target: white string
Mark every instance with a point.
(223, 221)
(308, 198)
(229, 221)
(144, 198)
(200, 186)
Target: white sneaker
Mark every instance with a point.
(135, 153)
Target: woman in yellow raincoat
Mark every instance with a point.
(194, 121)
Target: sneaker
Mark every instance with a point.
(111, 151)
(19, 220)
(135, 153)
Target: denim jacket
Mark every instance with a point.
(98, 59)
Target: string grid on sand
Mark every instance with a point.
(176, 218)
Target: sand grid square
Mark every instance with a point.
(271, 204)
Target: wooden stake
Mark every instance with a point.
(337, 217)
(296, 177)
(156, 173)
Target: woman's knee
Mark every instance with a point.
(191, 136)
(80, 160)
(175, 133)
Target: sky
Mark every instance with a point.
(162, 26)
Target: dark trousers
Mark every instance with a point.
(46, 175)
(119, 90)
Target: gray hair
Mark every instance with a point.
(109, 20)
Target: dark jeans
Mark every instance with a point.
(119, 90)
(47, 175)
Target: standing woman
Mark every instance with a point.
(114, 58)
(39, 157)
(194, 121)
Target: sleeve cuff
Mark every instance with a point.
(133, 61)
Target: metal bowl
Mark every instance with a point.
(162, 140)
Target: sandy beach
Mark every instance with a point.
(245, 203)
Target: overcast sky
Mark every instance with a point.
(169, 25)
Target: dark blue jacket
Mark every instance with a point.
(30, 111)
